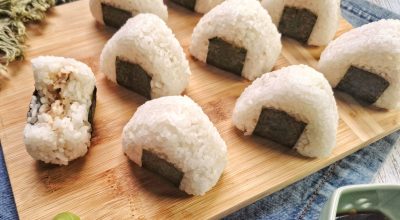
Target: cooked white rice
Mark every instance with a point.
(301, 92)
(57, 129)
(156, 7)
(176, 129)
(245, 24)
(147, 41)
(374, 47)
(328, 12)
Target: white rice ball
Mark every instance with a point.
(244, 24)
(156, 7)
(146, 40)
(327, 11)
(58, 129)
(301, 92)
(177, 130)
(374, 47)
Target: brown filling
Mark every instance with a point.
(133, 77)
(363, 85)
(162, 167)
(226, 56)
(297, 23)
(189, 4)
(114, 17)
(91, 109)
(279, 127)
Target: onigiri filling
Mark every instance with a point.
(48, 102)
(154, 163)
(363, 85)
(133, 77)
(189, 4)
(59, 119)
(279, 127)
(226, 56)
(297, 23)
(113, 16)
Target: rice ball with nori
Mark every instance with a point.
(172, 137)
(61, 111)
(200, 6)
(365, 63)
(115, 13)
(294, 107)
(145, 57)
(313, 22)
(237, 36)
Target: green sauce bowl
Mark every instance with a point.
(382, 198)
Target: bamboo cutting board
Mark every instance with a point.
(105, 184)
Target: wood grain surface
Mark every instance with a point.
(105, 184)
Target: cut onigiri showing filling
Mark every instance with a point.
(60, 117)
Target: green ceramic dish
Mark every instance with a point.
(364, 198)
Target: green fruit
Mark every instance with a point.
(66, 216)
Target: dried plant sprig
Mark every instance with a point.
(13, 15)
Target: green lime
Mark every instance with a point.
(66, 216)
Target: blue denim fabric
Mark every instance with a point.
(7, 204)
(305, 199)
(360, 12)
(301, 200)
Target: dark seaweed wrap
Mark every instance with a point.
(133, 77)
(226, 56)
(279, 127)
(162, 167)
(29, 114)
(297, 23)
(189, 4)
(93, 108)
(363, 85)
(114, 17)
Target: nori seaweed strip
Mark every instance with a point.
(92, 108)
(133, 77)
(189, 4)
(29, 114)
(162, 167)
(363, 85)
(114, 17)
(226, 56)
(297, 23)
(279, 127)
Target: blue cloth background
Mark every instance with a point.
(304, 199)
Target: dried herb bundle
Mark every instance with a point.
(13, 16)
